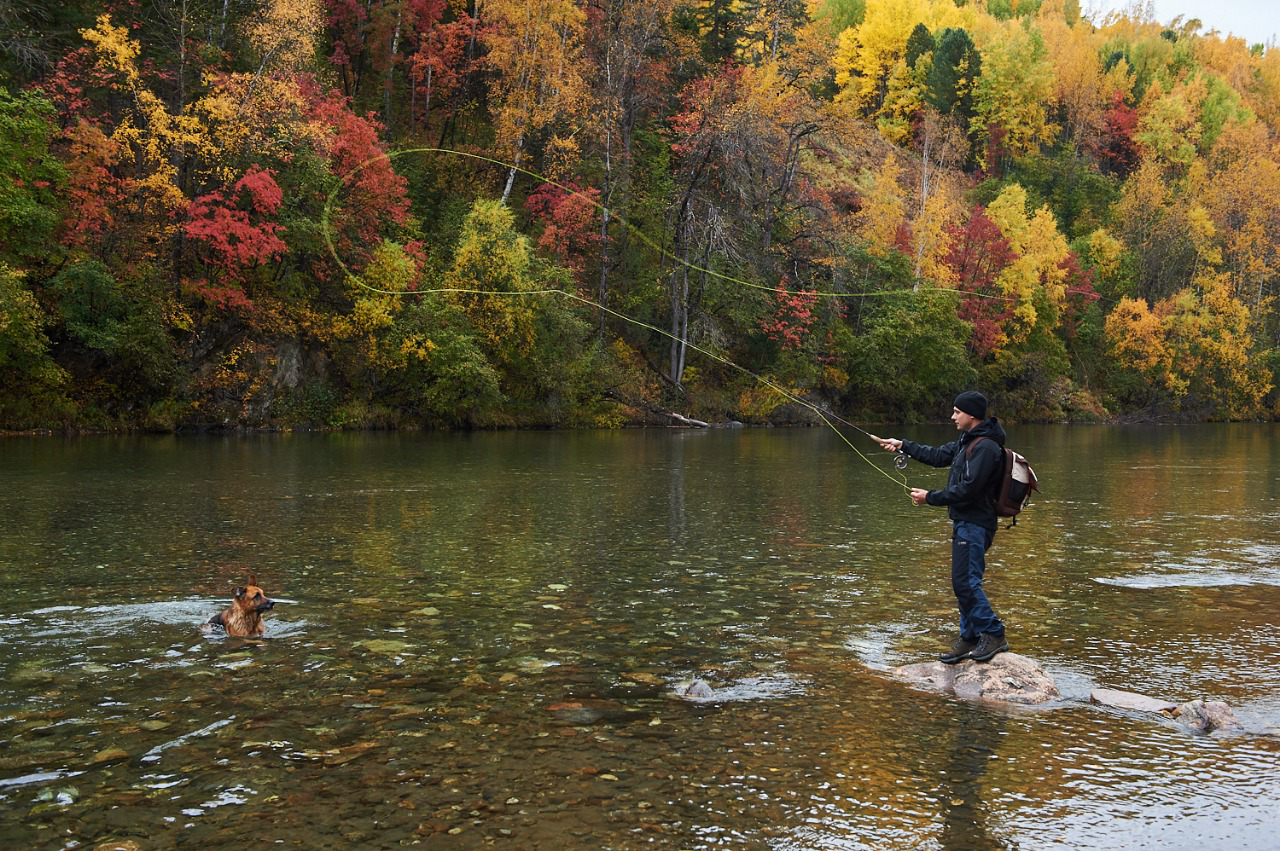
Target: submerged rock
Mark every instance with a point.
(34, 759)
(585, 712)
(383, 645)
(1205, 716)
(110, 755)
(1008, 677)
(643, 678)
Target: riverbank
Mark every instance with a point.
(671, 421)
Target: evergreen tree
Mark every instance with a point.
(721, 27)
(920, 43)
(950, 82)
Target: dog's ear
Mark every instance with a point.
(238, 592)
(253, 579)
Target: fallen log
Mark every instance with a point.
(688, 422)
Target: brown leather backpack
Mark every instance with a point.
(1017, 481)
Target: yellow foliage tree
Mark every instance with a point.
(1040, 248)
(1106, 252)
(1168, 128)
(1009, 212)
(1014, 89)
(284, 34)
(902, 101)
(1196, 346)
(244, 117)
(493, 256)
(940, 211)
(1264, 94)
(883, 209)
(867, 54)
(536, 51)
(153, 138)
(1080, 84)
(1214, 354)
(1241, 198)
(365, 328)
(1229, 57)
(1137, 340)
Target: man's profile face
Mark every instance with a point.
(963, 421)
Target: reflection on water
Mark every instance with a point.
(483, 639)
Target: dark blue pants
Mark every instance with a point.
(969, 545)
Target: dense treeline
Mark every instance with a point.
(210, 211)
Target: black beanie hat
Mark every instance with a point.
(972, 403)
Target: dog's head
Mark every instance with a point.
(251, 598)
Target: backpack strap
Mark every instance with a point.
(995, 488)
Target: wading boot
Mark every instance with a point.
(958, 652)
(988, 646)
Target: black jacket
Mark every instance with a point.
(974, 481)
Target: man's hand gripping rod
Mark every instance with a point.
(888, 444)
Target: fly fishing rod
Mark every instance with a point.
(899, 460)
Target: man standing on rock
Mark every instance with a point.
(977, 465)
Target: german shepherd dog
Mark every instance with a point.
(243, 618)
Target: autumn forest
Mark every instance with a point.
(488, 213)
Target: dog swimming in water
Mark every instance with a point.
(243, 618)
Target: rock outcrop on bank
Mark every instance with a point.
(1008, 677)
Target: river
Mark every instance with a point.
(478, 637)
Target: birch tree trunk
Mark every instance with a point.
(925, 144)
(388, 84)
(680, 310)
(511, 174)
(606, 196)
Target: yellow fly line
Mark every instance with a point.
(897, 478)
(643, 237)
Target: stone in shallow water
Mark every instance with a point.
(590, 711)
(1200, 716)
(33, 673)
(694, 689)
(35, 759)
(109, 755)
(1205, 716)
(383, 645)
(1130, 700)
(1008, 677)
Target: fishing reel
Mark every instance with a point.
(900, 460)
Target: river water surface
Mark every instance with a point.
(479, 637)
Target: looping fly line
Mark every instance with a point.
(325, 226)
(643, 237)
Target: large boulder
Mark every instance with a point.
(1008, 677)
